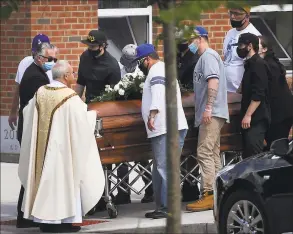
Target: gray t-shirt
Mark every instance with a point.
(210, 65)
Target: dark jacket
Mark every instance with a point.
(33, 78)
(281, 98)
(186, 65)
(255, 86)
(94, 74)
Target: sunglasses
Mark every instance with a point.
(50, 58)
(141, 61)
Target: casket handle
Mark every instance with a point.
(99, 128)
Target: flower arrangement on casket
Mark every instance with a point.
(129, 87)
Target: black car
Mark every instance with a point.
(256, 194)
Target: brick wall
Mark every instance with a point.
(64, 22)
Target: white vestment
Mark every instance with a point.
(59, 166)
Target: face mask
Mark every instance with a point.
(48, 65)
(144, 69)
(182, 47)
(236, 23)
(94, 53)
(130, 69)
(193, 48)
(242, 53)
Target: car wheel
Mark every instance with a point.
(243, 212)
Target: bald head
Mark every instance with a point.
(60, 69)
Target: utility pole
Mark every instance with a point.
(173, 152)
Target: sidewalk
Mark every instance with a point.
(130, 217)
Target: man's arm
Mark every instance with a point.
(213, 84)
(12, 119)
(211, 73)
(259, 82)
(158, 99)
(81, 81)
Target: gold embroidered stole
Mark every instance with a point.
(48, 100)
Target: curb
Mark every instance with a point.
(197, 228)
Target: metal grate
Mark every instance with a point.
(106, 4)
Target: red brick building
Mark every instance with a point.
(66, 23)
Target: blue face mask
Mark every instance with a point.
(48, 65)
(193, 48)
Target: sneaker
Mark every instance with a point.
(25, 223)
(157, 214)
(206, 202)
(147, 198)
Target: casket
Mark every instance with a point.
(123, 135)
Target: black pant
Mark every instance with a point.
(122, 171)
(21, 192)
(253, 139)
(278, 131)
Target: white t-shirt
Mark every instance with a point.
(234, 66)
(153, 98)
(23, 65)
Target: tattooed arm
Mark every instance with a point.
(213, 84)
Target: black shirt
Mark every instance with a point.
(255, 87)
(186, 65)
(281, 98)
(95, 73)
(33, 78)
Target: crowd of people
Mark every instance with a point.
(60, 168)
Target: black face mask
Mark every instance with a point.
(95, 53)
(144, 69)
(242, 53)
(236, 23)
(182, 47)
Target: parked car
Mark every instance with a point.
(256, 194)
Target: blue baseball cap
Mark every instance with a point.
(144, 50)
(200, 32)
(39, 39)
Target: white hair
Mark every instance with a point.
(42, 47)
(60, 69)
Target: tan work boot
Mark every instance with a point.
(206, 202)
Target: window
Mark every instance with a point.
(104, 4)
(127, 30)
(276, 24)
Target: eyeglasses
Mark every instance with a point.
(50, 58)
(141, 61)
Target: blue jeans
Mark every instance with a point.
(159, 171)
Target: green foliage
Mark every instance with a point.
(7, 7)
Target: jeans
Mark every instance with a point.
(253, 139)
(159, 172)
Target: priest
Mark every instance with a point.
(60, 166)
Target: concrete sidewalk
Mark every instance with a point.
(130, 217)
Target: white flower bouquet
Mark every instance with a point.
(129, 87)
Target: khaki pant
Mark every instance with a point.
(208, 152)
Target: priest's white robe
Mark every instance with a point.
(59, 166)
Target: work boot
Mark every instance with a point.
(206, 202)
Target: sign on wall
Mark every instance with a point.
(9, 143)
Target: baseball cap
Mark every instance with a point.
(246, 39)
(200, 32)
(39, 39)
(144, 50)
(95, 37)
(128, 55)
